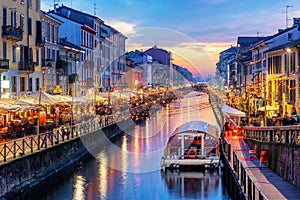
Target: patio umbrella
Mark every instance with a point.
(46, 99)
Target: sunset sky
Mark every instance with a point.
(196, 31)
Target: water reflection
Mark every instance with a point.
(79, 188)
(103, 184)
(203, 185)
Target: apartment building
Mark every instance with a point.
(49, 51)
(20, 66)
(102, 65)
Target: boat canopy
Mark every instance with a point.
(196, 127)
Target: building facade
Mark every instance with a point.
(20, 64)
(162, 57)
(49, 51)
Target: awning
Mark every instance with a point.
(268, 108)
(232, 111)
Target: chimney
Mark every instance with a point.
(296, 21)
(55, 5)
(280, 30)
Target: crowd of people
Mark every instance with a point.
(286, 120)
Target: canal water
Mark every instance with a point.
(129, 166)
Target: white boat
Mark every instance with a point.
(194, 144)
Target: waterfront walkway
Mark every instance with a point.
(267, 183)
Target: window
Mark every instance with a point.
(292, 90)
(52, 33)
(30, 54)
(285, 63)
(37, 84)
(48, 53)
(13, 18)
(4, 50)
(48, 31)
(37, 56)
(81, 38)
(4, 17)
(14, 53)
(57, 55)
(14, 84)
(293, 62)
(53, 55)
(5, 89)
(29, 26)
(37, 3)
(30, 84)
(22, 84)
(22, 21)
(30, 3)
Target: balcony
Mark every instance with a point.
(26, 66)
(4, 64)
(40, 41)
(12, 33)
(47, 63)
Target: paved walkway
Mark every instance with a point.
(269, 183)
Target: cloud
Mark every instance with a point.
(122, 26)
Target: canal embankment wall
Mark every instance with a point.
(283, 159)
(27, 171)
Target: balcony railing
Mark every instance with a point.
(27, 66)
(12, 33)
(40, 41)
(47, 63)
(4, 64)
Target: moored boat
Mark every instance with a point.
(192, 145)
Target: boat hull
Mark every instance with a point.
(206, 163)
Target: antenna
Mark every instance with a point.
(287, 15)
(94, 9)
(55, 4)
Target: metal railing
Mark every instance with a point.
(229, 175)
(238, 175)
(17, 148)
(249, 186)
(15, 33)
(274, 134)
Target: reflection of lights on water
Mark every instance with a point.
(103, 185)
(136, 140)
(79, 188)
(124, 158)
(147, 135)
